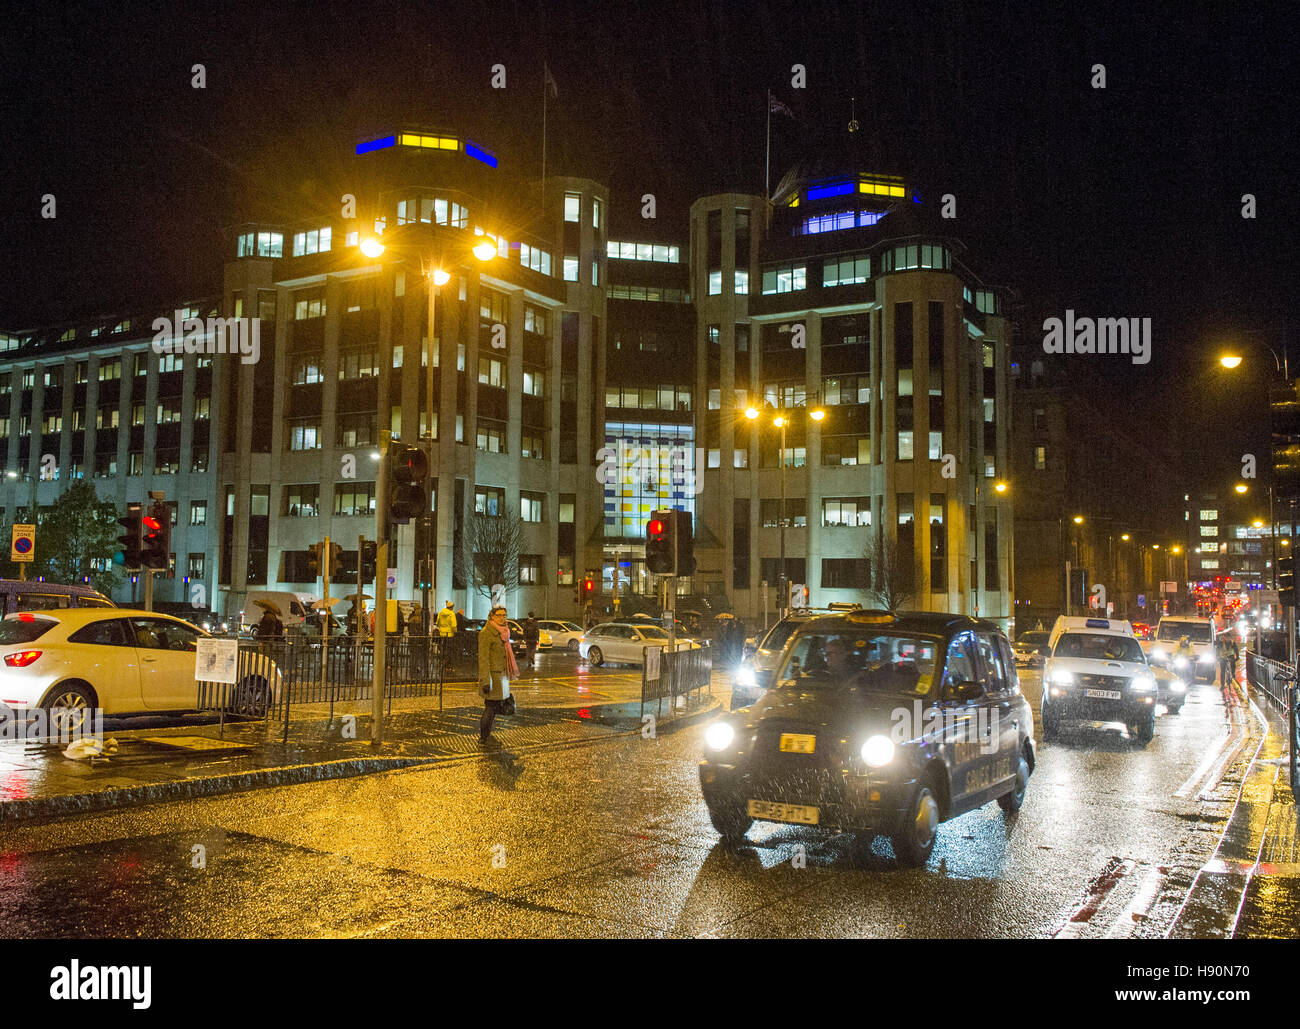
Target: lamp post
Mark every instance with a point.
(1074, 542)
(780, 420)
(999, 487)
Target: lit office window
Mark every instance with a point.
(570, 269)
(317, 241)
(572, 202)
(742, 282)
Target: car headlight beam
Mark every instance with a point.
(878, 751)
(719, 735)
(1143, 683)
(1062, 676)
(745, 676)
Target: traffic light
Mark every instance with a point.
(409, 496)
(336, 561)
(659, 543)
(369, 557)
(131, 540)
(685, 537)
(313, 559)
(155, 545)
(588, 588)
(1286, 581)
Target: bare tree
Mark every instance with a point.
(493, 544)
(893, 578)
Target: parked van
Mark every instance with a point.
(295, 608)
(16, 595)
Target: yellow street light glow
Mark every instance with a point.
(1078, 519)
(485, 250)
(372, 248)
(1241, 487)
(1177, 550)
(1286, 543)
(1155, 546)
(778, 421)
(441, 277)
(1000, 487)
(817, 414)
(1230, 360)
(1124, 537)
(751, 413)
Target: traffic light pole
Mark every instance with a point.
(381, 585)
(148, 589)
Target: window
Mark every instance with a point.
(311, 307)
(846, 511)
(354, 498)
(169, 410)
(137, 414)
(595, 273)
(105, 465)
(534, 320)
(313, 242)
(570, 269)
(52, 423)
(489, 500)
(1040, 458)
(796, 513)
(1209, 514)
(572, 202)
(167, 461)
(906, 444)
(305, 435)
(195, 565)
(847, 389)
(109, 370)
(357, 429)
(785, 278)
(567, 503)
(490, 372)
(532, 444)
(536, 259)
(532, 506)
(170, 363)
(307, 370)
(270, 244)
(643, 252)
(491, 437)
(740, 457)
(493, 306)
(846, 573)
(1209, 531)
(595, 213)
(136, 463)
(715, 283)
(530, 569)
(844, 271)
(302, 501)
(534, 383)
(198, 512)
(358, 364)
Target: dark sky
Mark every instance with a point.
(1116, 202)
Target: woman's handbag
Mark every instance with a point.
(508, 705)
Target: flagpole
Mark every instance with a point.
(767, 171)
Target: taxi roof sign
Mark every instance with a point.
(871, 617)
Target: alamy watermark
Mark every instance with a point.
(651, 467)
(978, 728)
(1073, 335)
(58, 726)
(181, 335)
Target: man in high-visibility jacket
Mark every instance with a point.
(447, 621)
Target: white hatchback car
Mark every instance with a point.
(563, 634)
(624, 643)
(117, 660)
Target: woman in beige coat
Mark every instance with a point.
(494, 683)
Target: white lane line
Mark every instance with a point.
(1239, 721)
(1137, 909)
(1213, 754)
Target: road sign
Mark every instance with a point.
(1142, 600)
(1168, 587)
(22, 545)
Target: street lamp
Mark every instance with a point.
(999, 487)
(780, 420)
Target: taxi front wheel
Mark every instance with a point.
(731, 823)
(1011, 802)
(915, 838)
(1145, 730)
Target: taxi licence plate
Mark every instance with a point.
(1104, 694)
(798, 743)
(799, 814)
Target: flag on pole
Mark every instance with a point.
(774, 106)
(549, 80)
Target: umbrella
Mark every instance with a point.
(724, 614)
(269, 605)
(326, 602)
(358, 596)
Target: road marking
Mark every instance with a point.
(1095, 896)
(1211, 756)
(1137, 909)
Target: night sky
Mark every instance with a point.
(1116, 202)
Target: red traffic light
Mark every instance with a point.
(654, 527)
(588, 585)
(152, 524)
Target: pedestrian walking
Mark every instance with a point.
(494, 660)
(532, 633)
(447, 621)
(270, 626)
(415, 621)
(461, 620)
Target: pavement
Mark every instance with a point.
(1250, 888)
(158, 760)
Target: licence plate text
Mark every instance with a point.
(798, 743)
(800, 814)
(1104, 694)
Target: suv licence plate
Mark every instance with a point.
(798, 743)
(1104, 694)
(800, 814)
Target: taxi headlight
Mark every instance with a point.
(1062, 676)
(719, 735)
(1143, 683)
(745, 676)
(1160, 654)
(1178, 686)
(1180, 661)
(878, 751)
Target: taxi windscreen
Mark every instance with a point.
(1098, 647)
(875, 661)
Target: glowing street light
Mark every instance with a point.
(372, 248)
(1230, 360)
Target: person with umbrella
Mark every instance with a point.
(270, 626)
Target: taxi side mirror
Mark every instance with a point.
(963, 691)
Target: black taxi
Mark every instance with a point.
(876, 724)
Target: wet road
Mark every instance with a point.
(612, 839)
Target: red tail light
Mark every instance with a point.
(22, 658)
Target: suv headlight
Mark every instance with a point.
(1180, 661)
(1159, 653)
(878, 751)
(1143, 683)
(719, 735)
(1062, 677)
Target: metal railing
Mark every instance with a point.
(675, 674)
(274, 674)
(1275, 681)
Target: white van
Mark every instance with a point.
(1200, 633)
(295, 608)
